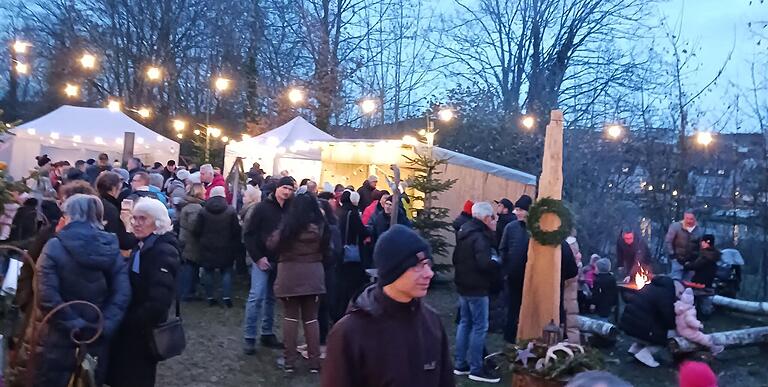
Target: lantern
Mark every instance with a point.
(552, 334)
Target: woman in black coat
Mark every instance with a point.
(82, 263)
(350, 276)
(152, 270)
(651, 312)
(109, 185)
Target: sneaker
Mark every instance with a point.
(228, 302)
(270, 341)
(249, 346)
(288, 369)
(485, 376)
(461, 371)
(314, 370)
(646, 357)
(635, 348)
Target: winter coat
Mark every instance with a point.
(501, 224)
(650, 313)
(115, 225)
(380, 222)
(366, 195)
(370, 211)
(93, 171)
(218, 181)
(264, 220)
(190, 245)
(459, 221)
(82, 263)
(474, 268)
(218, 231)
(355, 233)
(256, 177)
(300, 264)
(705, 266)
(605, 294)
(131, 362)
(167, 174)
(687, 324)
(381, 342)
(514, 249)
(681, 244)
(25, 224)
(628, 256)
(176, 190)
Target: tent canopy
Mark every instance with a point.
(72, 132)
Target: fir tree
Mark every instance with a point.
(431, 221)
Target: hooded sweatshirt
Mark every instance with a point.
(382, 342)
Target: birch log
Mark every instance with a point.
(541, 289)
(729, 339)
(601, 328)
(752, 307)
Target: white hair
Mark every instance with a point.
(206, 168)
(195, 177)
(482, 210)
(252, 194)
(157, 211)
(218, 191)
(84, 208)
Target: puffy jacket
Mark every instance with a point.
(475, 271)
(380, 222)
(705, 266)
(218, 231)
(82, 263)
(263, 221)
(681, 244)
(381, 342)
(190, 245)
(514, 249)
(300, 264)
(651, 312)
(501, 225)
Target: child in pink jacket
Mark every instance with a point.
(688, 326)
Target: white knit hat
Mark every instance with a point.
(354, 197)
(182, 174)
(218, 191)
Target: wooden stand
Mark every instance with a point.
(541, 289)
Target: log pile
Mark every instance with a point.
(751, 307)
(601, 328)
(729, 339)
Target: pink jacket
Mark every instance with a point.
(686, 322)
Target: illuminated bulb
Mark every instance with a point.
(71, 90)
(119, 141)
(368, 106)
(20, 47)
(159, 138)
(196, 132)
(54, 135)
(528, 122)
(704, 138)
(214, 132)
(88, 61)
(98, 140)
(295, 95)
(422, 132)
(31, 131)
(144, 112)
(140, 140)
(153, 73)
(77, 139)
(614, 131)
(221, 84)
(445, 115)
(22, 68)
(246, 136)
(674, 193)
(113, 105)
(410, 140)
(225, 139)
(179, 135)
(179, 125)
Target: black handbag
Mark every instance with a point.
(168, 338)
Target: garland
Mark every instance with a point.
(549, 205)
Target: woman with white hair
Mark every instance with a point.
(82, 263)
(152, 270)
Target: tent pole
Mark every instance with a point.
(128, 139)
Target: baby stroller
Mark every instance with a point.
(727, 281)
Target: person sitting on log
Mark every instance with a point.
(688, 326)
(605, 293)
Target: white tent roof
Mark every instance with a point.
(297, 133)
(93, 126)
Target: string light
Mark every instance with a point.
(445, 115)
(113, 105)
(225, 139)
(22, 68)
(88, 61)
(214, 132)
(196, 132)
(159, 138)
(246, 136)
(295, 95)
(31, 131)
(704, 138)
(77, 138)
(222, 84)
(54, 135)
(368, 106)
(615, 131)
(20, 47)
(179, 125)
(144, 112)
(140, 140)
(154, 73)
(528, 121)
(179, 135)
(71, 90)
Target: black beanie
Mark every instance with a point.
(287, 180)
(395, 253)
(524, 203)
(709, 238)
(507, 204)
(42, 160)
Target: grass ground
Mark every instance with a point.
(214, 358)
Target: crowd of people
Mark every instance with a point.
(131, 241)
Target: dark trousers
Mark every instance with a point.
(514, 302)
(350, 280)
(304, 309)
(326, 300)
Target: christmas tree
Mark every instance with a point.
(431, 221)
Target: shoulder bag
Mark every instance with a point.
(168, 338)
(351, 251)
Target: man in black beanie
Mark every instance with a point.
(505, 210)
(389, 337)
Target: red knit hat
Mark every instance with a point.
(468, 207)
(696, 374)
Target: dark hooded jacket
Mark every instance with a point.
(380, 222)
(705, 266)
(475, 271)
(131, 362)
(263, 221)
(93, 171)
(218, 230)
(114, 224)
(650, 313)
(81, 263)
(460, 220)
(381, 342)
(25, 224)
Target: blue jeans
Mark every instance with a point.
(679, 273)
(188, 279)
(261, 298)
(226, 282)
(470, 334)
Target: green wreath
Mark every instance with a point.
(549, 205)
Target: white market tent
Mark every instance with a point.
(72, 133)
(288, 147)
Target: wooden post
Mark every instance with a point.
(541, 289)
(128, 139)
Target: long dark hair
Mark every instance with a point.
(302, 212)
(330, 215)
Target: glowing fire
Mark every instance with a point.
(641, 278)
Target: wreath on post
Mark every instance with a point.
(553, 206)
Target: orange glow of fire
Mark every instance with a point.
(641, 278)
